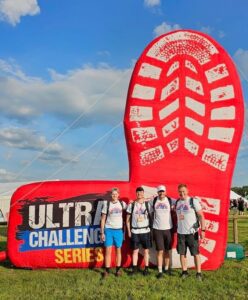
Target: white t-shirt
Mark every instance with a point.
(114, 217)
(162, 214)
(140, 218)
(186, 217)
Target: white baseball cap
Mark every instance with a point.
(161, 188)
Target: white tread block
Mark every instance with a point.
(169, 89)
(143, 134)
(194, 85)
(143, 92)
(216, 159)
(222, 134)
(195, 106)
(149, 71)
(140, 113)
(223, 113)
(222, 93)
(169, 109)
(194, 125)
(218, 72)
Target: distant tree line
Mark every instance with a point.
(242, 191)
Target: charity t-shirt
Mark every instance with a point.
(186, 217)
(114, 216)
(139, 218)
(162, 214)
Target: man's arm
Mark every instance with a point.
(128, 224)
(202, 222)
(103, 221)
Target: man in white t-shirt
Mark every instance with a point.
(138, 229)
(112, 229)
(189, 215)
(162, 226)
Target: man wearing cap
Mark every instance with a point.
(162, 226)
(138, 228)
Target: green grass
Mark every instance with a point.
(228, 282)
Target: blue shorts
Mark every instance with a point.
(113, 237)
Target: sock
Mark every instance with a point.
(160, 269)
(134, 268)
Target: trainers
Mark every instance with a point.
(146, 272)
(184, 274)
(168, 272)
(199, 276)
(105, 274)
(160, 275)
(133, 271)
(118, 273)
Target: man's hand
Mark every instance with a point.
(102, 237)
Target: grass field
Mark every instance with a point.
(229, 282)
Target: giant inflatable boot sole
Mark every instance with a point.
(183, 124)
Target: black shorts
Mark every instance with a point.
(190, 241)
(162, 239)
(141, 239)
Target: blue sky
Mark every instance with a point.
(65, 67)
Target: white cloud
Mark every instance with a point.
(241, 59)
(96, 94)
(11, 11)
(152, 3)
(6, 176)
(27, 139)
(164, 28)
(207, 29)
(221, 34)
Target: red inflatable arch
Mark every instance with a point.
(183, 124)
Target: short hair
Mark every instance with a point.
(182, 185)
(115, 189)
(139, 189)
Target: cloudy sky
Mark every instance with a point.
(65, 67)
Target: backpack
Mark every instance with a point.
(146, 210)
(191, 203)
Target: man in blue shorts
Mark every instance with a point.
(112, 229)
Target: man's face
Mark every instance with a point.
(161, 194)
(115, 195)
(183, 193)
(140, 194)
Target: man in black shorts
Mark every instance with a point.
(138, 228)
(189, 211)
(162, 226)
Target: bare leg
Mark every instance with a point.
(183, 261)
(146, 257)
(197, 263)
(160, 259)
(118, 257)
(108, 257)
(135, 257)
(166, 260)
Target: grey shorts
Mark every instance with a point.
(141, 239)
(162, 239)
(190, 241)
